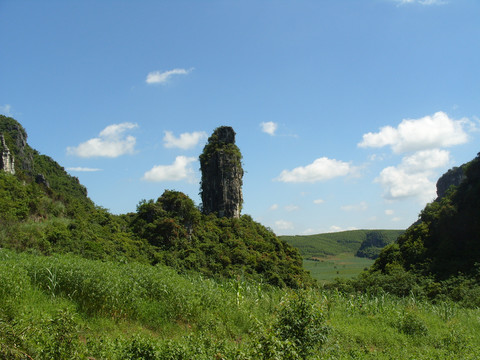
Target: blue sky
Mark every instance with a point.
(346, 111)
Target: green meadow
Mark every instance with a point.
(67, 307)
(332, 255)
(328, 268)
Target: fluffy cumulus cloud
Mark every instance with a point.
(184, 141)
(181, 169)
(157, 77)
(429, 132)
(269, 127)
(320, 170)
(111, 142)
(414, 176)
(318, 201)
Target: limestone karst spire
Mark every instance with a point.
(222, 173)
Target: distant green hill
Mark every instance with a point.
(328, 244)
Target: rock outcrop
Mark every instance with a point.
(222, 173)
(7, 162)
(453, 176)
(16, 137)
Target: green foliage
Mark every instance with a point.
(218, 247)
(412, 324)
(301, 322)
(215, 145)
(373, 244)
(60, 337)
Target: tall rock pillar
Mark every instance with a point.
(222, 173)
(7, 163)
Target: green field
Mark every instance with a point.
(344, 265)
(332, 255)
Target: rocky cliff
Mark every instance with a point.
(222, 173)
(453, 176)
(15, 140)
(17, 157)
(7, 162)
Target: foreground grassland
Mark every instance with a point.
(66, 307)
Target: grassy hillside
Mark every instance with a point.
(329, 244)
(67, 307)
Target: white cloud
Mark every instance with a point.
(157, 77)
(425, 160)
(429, 132)
(389, 212)
(6, 110)
(83, 169)
(421, 2)
(399, 184)
(274, 207)
(284, 225)
(321, 169)
(318, 201)
(413, 177)
(111, 143)
(179, 170)
(269, 127)
(355, 207)
(290, 208)
(185, 141)
(335, 228)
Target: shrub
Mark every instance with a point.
(298, 330)
(412, 324)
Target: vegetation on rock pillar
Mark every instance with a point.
(221, 186)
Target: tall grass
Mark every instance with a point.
(62, 307)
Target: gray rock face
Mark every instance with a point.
(453, 176)
(16, 137)
(7, 162)
(40, 179)
(222, 173)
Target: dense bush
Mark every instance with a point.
(220, 247)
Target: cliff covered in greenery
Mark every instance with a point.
(43, 209)
(446, 240)
(438, 257)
